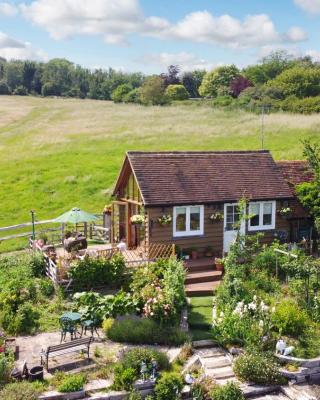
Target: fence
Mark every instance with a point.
(56, 268)
(53, 233)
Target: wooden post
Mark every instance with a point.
(173, 252)
(85, 229)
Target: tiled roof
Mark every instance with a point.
(205, 177)
(295, 172)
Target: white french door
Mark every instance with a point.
(231, 220)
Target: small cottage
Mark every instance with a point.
(190, 199)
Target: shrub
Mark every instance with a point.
(91, 272)
(145, 331)
(50, 89)
(222, 101)
(97, 307)
(177, 92)
(72, 383)
(257, 368)
(20, 391)
(6, 365)
(120, 92)
(27, 319)
(217, 80)
(289, 319)
(132, 97)
(152, 92)
(307, 105)
(230, 391)
(135, 395)
(134, 357)
(36, 263)
(169, 387)
(20, 91)
(46, 287)
(107, 325)
(159, 290)
(124, 377)
(4, 88)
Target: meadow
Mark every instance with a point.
(57, 153)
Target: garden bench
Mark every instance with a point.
(75, 345)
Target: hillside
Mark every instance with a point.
(57, 153)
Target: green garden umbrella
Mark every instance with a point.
(75, 216)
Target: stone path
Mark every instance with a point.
(216, 364)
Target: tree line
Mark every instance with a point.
(278, 81)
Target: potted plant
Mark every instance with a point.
(208, 252)
(137, 219)
(194, 253)
(165, 219)
(216, 216)
(286, 212)
(219, 263)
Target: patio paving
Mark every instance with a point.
(29, 348)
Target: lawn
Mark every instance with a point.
(200, 317)
(58, 153)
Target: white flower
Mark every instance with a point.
(273, 309)
(261, 323)
(255, 297)
(252, 306)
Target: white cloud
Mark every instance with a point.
(8, 10)
(115, 20)
(14, 49)
(311, 6)
(296, 34)
(187, 61)
(67, 18)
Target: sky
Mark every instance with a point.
(149, 35)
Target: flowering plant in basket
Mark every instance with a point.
(285, 211)
(137, 219)
(165, 219)
(216, 216)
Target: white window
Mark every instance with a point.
(187, 221)
(262, 215)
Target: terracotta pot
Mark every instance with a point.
(219, 266)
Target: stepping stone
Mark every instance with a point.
(217, 373)
(216, 362)
(213, 352)
(204, 343)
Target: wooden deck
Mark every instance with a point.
(202, 278)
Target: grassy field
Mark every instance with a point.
(58, 153)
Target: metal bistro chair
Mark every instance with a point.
(67, 326)
(89, 324)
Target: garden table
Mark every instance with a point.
(74, 317)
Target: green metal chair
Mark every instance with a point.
(89, 324)
(67, 326)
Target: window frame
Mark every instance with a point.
(188, 232)
(262, 227)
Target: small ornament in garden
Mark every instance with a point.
(216, 216)
(144, 371)
(165, 219)
(280, 346)
(154, 371)
(137, 219)
(285, 211)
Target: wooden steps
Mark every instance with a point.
(202, 278)
(201, 289)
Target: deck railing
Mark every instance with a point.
(57, 270)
